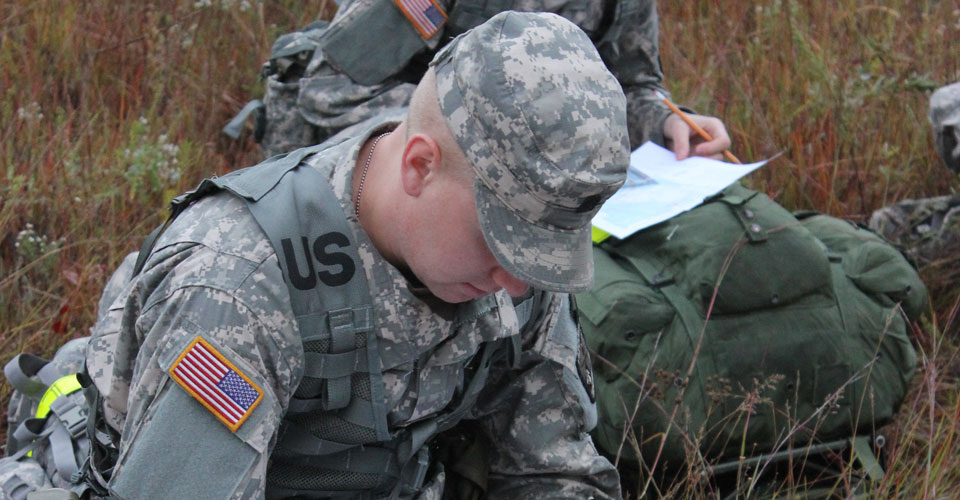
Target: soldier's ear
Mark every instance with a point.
(420, 163)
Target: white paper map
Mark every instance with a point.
(659, 187)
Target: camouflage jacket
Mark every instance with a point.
(214, 274)
(308, 103)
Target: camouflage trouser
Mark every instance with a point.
(928, 229)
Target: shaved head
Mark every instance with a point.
(426, 118)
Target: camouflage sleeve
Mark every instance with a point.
(117, 282)
(179, 438)
(631, 51)
(174, 442)
(539, 417)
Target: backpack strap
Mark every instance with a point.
(96, 471)
(21, 370)
(659, 277)
(235, 126)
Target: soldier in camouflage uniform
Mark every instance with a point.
(457, 259)
(324, 79)
(929, 228)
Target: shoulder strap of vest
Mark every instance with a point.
(329, 294)
(246, 189)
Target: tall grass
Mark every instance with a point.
(108, 109)
(842, 89)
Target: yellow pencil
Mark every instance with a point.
(703, 133)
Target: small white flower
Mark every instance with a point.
(30, 112)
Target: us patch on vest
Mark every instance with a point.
(425, 15)
(216, 383)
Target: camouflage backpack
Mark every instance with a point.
(738, 329)
(46, 442)
(277, 125)
(309, 96)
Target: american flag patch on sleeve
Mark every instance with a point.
(425, 15)
(216, 383)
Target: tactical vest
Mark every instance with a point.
(334, 441)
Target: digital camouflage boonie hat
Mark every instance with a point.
(544, 125)
(945, 118)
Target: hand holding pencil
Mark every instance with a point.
(692, 130)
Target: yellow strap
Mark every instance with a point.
(598, 235)
(63, 385)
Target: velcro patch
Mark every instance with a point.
(425, 15)
(216, 383)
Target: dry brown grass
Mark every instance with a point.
(126, 88)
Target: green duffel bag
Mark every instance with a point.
(748, 328)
